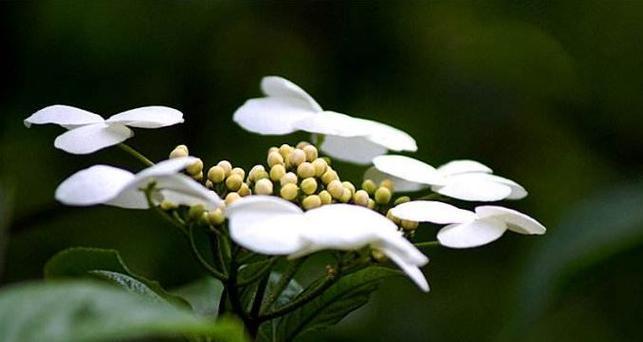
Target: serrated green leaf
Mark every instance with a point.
(128, 283)
(203, 295)
(268, 330)
(346, 295)
(85, 261)
(70, 311)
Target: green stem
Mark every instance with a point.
(233, 289)
(136, 154)
(427, 244)
(195, 251)
(283, 282)
(259, 273)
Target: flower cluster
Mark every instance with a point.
(295, 203)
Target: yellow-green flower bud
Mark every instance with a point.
(296, 157)
(261, 175)
(329, 176)
(195, 167)
(320, 167)
(275, 158)
(371, 204)
(336, 189)
(285, 150)
(238, 171)
(378, 256)
(361, 198)
(253, 172)
(263, 187)
(227, 167)
(305, 170)
(328, 160)
(346, 196)
(401, 199)
(309, 185)
(382, 195)
(209, 184)
(311, 152)
(325, 196)
(387, 183)
(289, 191)
(390, 216)
(369, 186)
(231, 197)
(277, 172)
(233, 183)
(216, 174)
(273, 149)
(216, 217)
(409, 225)
(179, 152)
(300, 145)
(198, 176)
(168, 205)
(244, 190)
(288, 178)
(195, 211)
(349, 186)
(311, 202)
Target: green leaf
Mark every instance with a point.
(69, 311)
(254, 270)
(5, 218)
(84, 261)
(203, 295)
(268, 331)
(348, 294)
(128, 283)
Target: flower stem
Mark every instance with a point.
(283, 282)
(195, 251)
(136, 154)
(427, 244)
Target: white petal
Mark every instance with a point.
(358, 150)
(473, 234)
(399, 184)
(272, 116)
(394, 241)
(332, 123)
(166, 167)
(276, 86)
(387, 136)
(408, 168)
(474, 187)
(183, 190)
(463, 166)
(413, 271)
(132, 198)
(432, 211)
(95, 185)
(266, 224)
(517, 221)
(62, 115)
(148, 117)
(91, 138)
(517, 191)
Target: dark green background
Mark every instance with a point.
(549, 93)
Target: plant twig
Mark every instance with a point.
(136, 154)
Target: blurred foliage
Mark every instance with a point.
(547, 93)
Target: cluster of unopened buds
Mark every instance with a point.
(295, 203)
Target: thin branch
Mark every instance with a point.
(136, 154)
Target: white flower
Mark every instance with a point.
(271, 225)
(462, 179)
(467, 228)
(288, 108)
(102, 184)
(89, 132)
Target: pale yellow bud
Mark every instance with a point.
(349, 186)
(378, 256)
(167, 205)
(204, 218)
(387, 183)
(311, 202)
(288, 178)
(277, 172)
(261, 175)
(409, 225)
(382, 195)
(274, 158)
(209, 184)
(325, 196)
(254, 171)
(361, 198)
(273, 149)
(263, 187)
(233, 183)
(328, 161)
(311, 152)
(196, 211)
(302, 144)
(346, 196)
(231, 197)
(198, 176)
(179, 152)
(336, 189)
(216, 217)
(390, 216)
(227, 167)
(305, 170)
(238, 171)
(320, 167)
(295, 158)
(401, 199)
(289, 191)
(216, 174)
(369, 186)
(244, 190)
(195, 167)
(285, 150)
(309, 185)
(329, 176)
(371, 204)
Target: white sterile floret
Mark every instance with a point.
(462, 179)
(102, 184)
(467, 228)
(89, 132)
(271, 225)
(287, 108)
